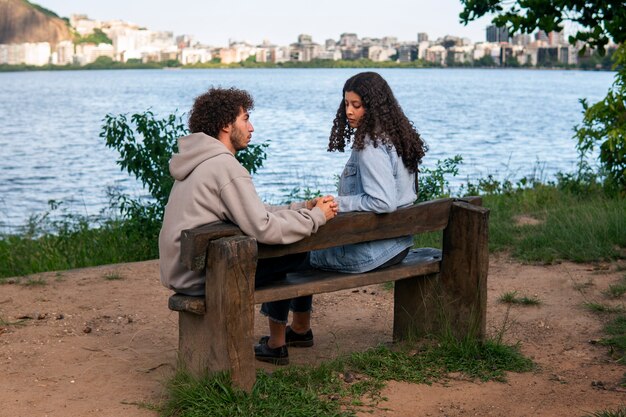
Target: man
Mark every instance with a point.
(211, 185)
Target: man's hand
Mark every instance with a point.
(311, 203)
(327, 204)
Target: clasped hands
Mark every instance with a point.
(326, 203)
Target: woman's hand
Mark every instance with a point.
(327, 204)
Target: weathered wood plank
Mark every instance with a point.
(180, 302)
(194, 242)
(221, 339)
(454, 300)
(233, 262)
(464, 270)
(344, 229)
(418, 262)
(416, 307)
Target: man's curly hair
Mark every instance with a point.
(383, 121)
(217, 108)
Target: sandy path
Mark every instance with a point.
(99, 347)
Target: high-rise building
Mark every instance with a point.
(541, 36)
(422, 37)
(303, 38)
(497, 34)
(348, 40)
(407, 53)
(556, 38)
(522, 39)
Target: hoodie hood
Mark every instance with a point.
(193, 150)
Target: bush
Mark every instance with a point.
(604, 125)
(432, 183)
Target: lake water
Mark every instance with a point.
(503, 122)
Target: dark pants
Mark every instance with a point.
(275, 269)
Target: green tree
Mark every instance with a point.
(605, 123)
(97, 37)
(512, 62)
(485, 61)
(101, 62)
(597, 22)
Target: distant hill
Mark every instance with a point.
(22, 21)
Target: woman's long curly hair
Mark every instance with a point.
(384, 121)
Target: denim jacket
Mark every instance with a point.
(374, 179)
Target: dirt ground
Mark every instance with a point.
(101, 342)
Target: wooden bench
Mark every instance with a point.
(435, 291)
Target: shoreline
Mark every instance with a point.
(306, 65)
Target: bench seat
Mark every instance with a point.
(423, 261)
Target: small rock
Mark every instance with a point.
(598, 384)
(41, 316)
(348, 377)
(60, 316)
(87, 329)
(558, 378)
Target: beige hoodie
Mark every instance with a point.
(211, 185)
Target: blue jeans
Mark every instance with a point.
(275, 269)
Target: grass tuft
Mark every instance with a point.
(3, 322)
(511, 297)
(619, 412)
(113, 276)
(603, 308)
(34, 282)
(300, 391)
(582, 286)
(617, 290)
(616, 329)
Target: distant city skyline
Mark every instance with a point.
(216, 22)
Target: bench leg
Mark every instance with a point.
(196, 349)
(453, 302)
(464, 269)
(416, 307)
(222, 338)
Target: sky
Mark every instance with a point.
(215, 22)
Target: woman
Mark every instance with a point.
(380, 176)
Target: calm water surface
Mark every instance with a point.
(503, 122)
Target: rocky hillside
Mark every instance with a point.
(21, 21)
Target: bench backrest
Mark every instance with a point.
(344, 229)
